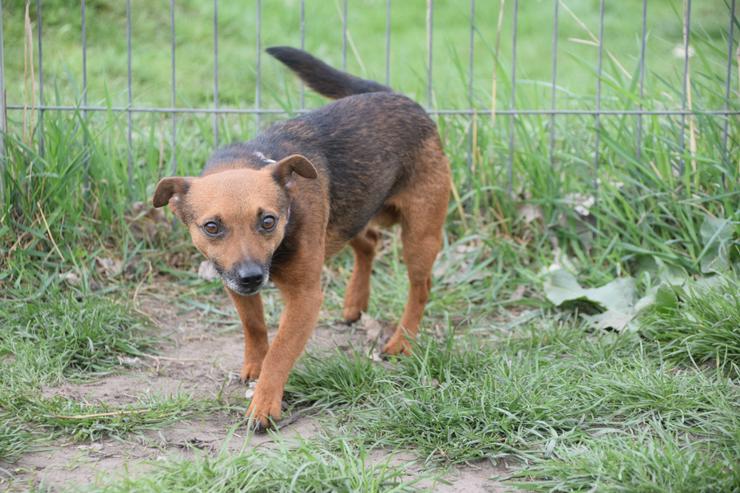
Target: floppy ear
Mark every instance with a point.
(171, 191)
(295, 163)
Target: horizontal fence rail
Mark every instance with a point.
(217, 109)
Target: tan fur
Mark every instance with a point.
(236, 196)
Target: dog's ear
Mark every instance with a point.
(171, 191)
(295, 163)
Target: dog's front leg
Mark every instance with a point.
(302, 305)
(252, 316)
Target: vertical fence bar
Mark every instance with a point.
(471, 61)
(597, 115)
(173, 99)
(83, 35)
(728, 83)
(510, 168)
(258, 85)
(430, 27)
(344, 35)
(3, 111)
(86, 143)
(215, 72)
(387, 42)
(40, 126)
(303, 47)
(685, 83)
(643, 45)
(554, 80)
(130, 96)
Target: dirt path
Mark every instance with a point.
(202, 360)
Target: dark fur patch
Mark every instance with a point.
(366, 145)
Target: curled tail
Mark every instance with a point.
(322, 78)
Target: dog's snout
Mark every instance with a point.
(250, 275)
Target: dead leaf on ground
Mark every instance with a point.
(70, 277)
(581, 203)
(518, 293)
(528, 213)
(108, 267)
(146, 222)
(616, 298)
(375, 331)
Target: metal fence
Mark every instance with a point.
(726, 112)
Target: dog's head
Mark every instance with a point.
(237, 217)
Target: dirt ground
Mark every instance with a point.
(203, 360)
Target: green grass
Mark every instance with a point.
(303, 466)
(56, 335)
(588, 412)
(699, 325)
(461, 402)
(649, 410)
(652, 460)
(14, 438)
(82, 421)
(366, 54)
(572, 411)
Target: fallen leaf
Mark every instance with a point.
(146, 222)
(529, 212)
(108, 266)
(717, 236)
(374, 330)
(616, 298)
(70, 277)
(581, 203)
(518, 293)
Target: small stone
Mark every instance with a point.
(207, 271)
(250, 389)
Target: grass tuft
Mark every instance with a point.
(84, 421)
(698, 325)
(306, 466)
(14, 438)
(61, 334)
(523, 396)
(650, 460)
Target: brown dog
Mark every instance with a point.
(278, 206)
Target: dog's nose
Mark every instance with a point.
(250, 275)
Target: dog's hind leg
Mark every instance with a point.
(358, 290)
(252, 316)
(423, 209)
(420, 248)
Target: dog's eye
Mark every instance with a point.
(268, 222)
(212, 228)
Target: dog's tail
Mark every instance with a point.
(322, 78)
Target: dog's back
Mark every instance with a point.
(371, 138)
(368, 142)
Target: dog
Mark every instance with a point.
(276, 207)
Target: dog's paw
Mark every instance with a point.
(351, 315)
(250, 371)
(264, 410)
(398, 344)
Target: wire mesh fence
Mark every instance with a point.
(726, 113)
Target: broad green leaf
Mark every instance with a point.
(617, 298)
(716, 233)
